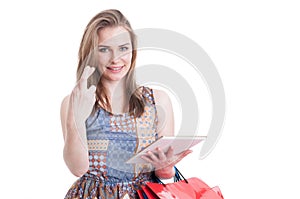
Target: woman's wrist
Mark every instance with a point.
(165, 173)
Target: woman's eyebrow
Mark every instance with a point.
(124, 44)
(110, 46)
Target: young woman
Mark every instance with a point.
(108, 118)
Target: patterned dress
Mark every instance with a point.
(112, 140)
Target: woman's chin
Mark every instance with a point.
(114, 77)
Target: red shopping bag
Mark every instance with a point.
(192, 188)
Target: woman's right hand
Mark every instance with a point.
(82, 99)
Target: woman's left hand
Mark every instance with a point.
(164, 162)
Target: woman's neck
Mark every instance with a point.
(117, 94)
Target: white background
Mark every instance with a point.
(254, 44)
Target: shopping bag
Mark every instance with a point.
(191, 188)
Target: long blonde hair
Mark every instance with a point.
(88, 56)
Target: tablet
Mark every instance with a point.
(179, 144)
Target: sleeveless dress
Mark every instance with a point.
(112, 139)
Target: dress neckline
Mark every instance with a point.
(125, 113)
(116, 114)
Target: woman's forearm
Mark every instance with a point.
(75, 149)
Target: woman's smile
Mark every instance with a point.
(115, 69)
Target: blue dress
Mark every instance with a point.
(112, 139)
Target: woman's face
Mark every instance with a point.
(115, 52)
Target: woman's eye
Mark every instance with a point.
(124, 48)
(103, 50)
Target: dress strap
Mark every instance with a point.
(148, 95)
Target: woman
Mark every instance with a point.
(107, 118)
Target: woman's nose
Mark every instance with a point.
(116, 55)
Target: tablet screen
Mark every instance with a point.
(179, 144)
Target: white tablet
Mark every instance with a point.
(179, 144)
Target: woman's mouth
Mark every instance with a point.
(115, 69)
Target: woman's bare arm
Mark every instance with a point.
(75, 109)
(75, 152)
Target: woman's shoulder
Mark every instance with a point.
(65, 102)
(64, 107)
(161, 96)
(158, 95)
